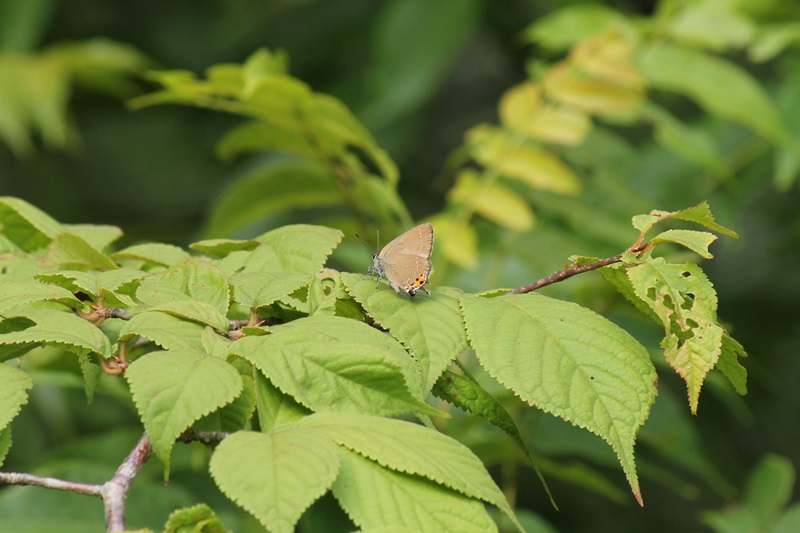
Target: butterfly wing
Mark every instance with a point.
(406, 260)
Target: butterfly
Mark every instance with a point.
(406, 260)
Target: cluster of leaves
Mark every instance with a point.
(616, 71)
(255, 338)
(37, 101)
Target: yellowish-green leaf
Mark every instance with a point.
(499, 151)
(456, 241)
(686, 303)
(522, 110)
(493, 201)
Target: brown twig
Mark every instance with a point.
(561, 275)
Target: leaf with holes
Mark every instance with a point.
(686, 303)
(569, 361)
(173, 389)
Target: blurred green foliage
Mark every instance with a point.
(721, 123)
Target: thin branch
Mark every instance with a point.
(561, 275)
(15, 478)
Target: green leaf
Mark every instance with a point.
(430, 326)
(686, 303)
(302, 248)
(236, 415)
(256, 289)
(294, 249)
(193, 310)
(715, 25)
(25, 293)
(14, 385)
(283, 186)
(257, 136)
(5, 443)
(471, 397)
(197, 519)
(220, 248)
(694, 144)
(173, 389)
(95, 284)
(194, 281)
(569, 361)
(327, 296)
(729, 365)
(696, 241)
(63, 329)
(337, 364)
(770, 488)
(699, 214)
(768, 491)
(720, 86)
(275, 476)
(25, 225)
(412, 449)
(97, 235)
(167, 331)
(565, 27)
(91, 376)
(376, 497)
(71, 252)
(416, 42)
(275, 409)
(153, 253)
